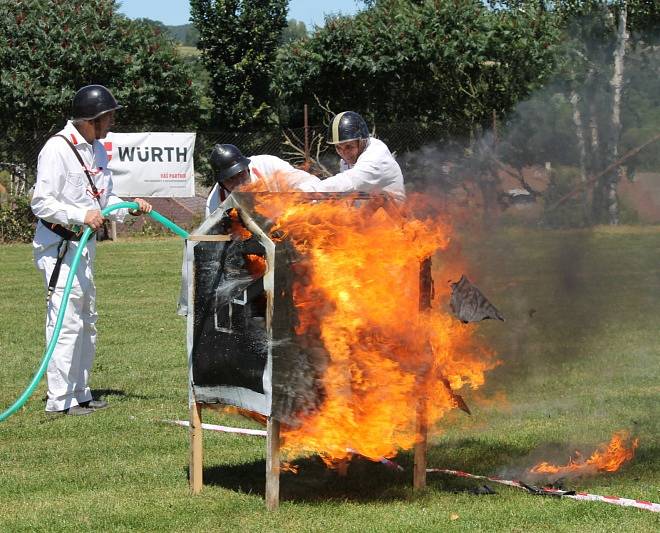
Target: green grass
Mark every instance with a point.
(579, 357)
(188, 51)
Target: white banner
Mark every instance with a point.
(151, 163)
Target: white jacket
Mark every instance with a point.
(62, 193)
(375, 171)
(277, 175)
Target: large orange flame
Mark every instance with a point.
(607, 458)
(357, 296)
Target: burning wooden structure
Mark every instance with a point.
(256, 337)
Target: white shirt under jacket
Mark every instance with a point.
(375, 171)
(270, 170)
(63, 194)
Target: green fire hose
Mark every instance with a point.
(65, 300)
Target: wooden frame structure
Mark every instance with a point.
(272, 488)
(272, 492)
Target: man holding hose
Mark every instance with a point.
(73, 185)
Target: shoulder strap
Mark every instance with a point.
(82, 164)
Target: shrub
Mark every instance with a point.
(17, 222)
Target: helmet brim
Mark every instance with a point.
(94, 117)
(230, 172)
(347, 140)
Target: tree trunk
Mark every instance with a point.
(612, 179)
(582, 147)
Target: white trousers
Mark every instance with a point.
(73, 356)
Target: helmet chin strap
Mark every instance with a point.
(224, 191)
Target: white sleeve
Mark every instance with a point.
(364, 176)
(336, 183)
(281, 175)
(51, 176)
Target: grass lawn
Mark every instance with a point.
(579, 355)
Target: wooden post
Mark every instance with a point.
(113, 230)
(272, 464)
(196, 449)
(419, 469)
(425, 302)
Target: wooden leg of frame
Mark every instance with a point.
(273, 464)
(196, 448)
(419, 471)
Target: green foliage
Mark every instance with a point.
(238, 40)
(49, 49)
(16, 220)
(643, 15)
(445, 61)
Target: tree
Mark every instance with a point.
(443, 61)
(295, 29)
(596, 48)
(238, 40)
(50, 48)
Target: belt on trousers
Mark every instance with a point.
(67, 235)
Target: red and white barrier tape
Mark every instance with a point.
(224, 429)
(585, 496)
(261, 433)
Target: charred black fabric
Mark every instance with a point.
(245, 350)
(468, 304)
(229, 341)
(298, 361)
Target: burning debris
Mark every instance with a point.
(350, 341)
(607, 458)
(468, 303)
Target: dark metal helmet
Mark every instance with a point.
(92, 101)
(227, 161)
(347, 126)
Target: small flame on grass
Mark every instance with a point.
(607, 458)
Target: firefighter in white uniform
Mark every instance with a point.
(73, 185)
(366, 165)
(233, 170)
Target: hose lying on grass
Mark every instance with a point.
(65, 300)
